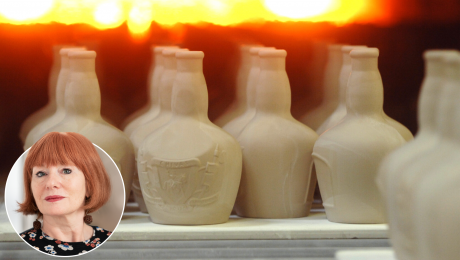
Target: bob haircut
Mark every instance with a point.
(67, 148)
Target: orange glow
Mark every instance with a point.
(299, 9)
(24, 10)
(139, 14)
(140, 17)
(109, 13)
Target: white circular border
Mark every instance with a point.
(18, 167)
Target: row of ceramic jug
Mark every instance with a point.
(188, 169)
(421, 180)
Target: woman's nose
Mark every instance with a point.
(53, 179)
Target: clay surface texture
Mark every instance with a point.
(347, 156)
(276, 181)
(189, 169)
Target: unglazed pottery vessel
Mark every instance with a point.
(189, 169)
(276, 181)
(82, 115)
(235, 126)
(437, 195)
(50, 107)
(401, 187)
(338, 115)
(347, 156)
(393, 167)
(341, 111)
(165, 79)
(36, 132)
(152, 108)
(330, 87)
(238, 107)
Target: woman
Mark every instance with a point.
(64, 181)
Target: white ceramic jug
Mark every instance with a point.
(401, 187)
(341, 111)
(394, 165)
(189, 169)
(235, 126)
(276, 181)
(347, 156)
(238, 107)
(152, 108)
(59, 114)
(316, 117)
(165, 79)
(82, 115)
(437, 195)
(50, 107)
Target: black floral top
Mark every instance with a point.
(42, 242)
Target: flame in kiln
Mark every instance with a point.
(139, 14)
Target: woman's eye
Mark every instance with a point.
(40, 174)
(67, 171)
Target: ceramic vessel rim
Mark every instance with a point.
(335, 47)
(189, 54)
(364, 53)
(348, 48)
(82, 54)
(159, 49)
(65, 51)
(172, 51)
(272, 53)
(255, 50)
(451, 58)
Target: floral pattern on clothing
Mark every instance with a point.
(42, 242)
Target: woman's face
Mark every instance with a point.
(58, 190)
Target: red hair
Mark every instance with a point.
(63, 149)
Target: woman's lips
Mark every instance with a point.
(54, 198)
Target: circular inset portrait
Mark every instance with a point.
(64, 196)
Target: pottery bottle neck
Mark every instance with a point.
(243, 72)
(332, 73)
(449, 108)
(432, 87)
(82, 94)
(253, 77)
(273, 89)
(364, 95)
(53, 76)
(156, 74)
(157, 56)
(60, 86)
(167, 78)
(64, 76)
(252, 81)
(345, 70)
(190, 94)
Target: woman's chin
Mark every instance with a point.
(60, 213)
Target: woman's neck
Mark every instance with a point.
(68, 228)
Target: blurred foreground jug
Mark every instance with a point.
(423, 194)
(82, 115)
(433, 107)
(348, 155)
(189, 169)
(276, 181)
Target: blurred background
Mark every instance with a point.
(122, 31)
